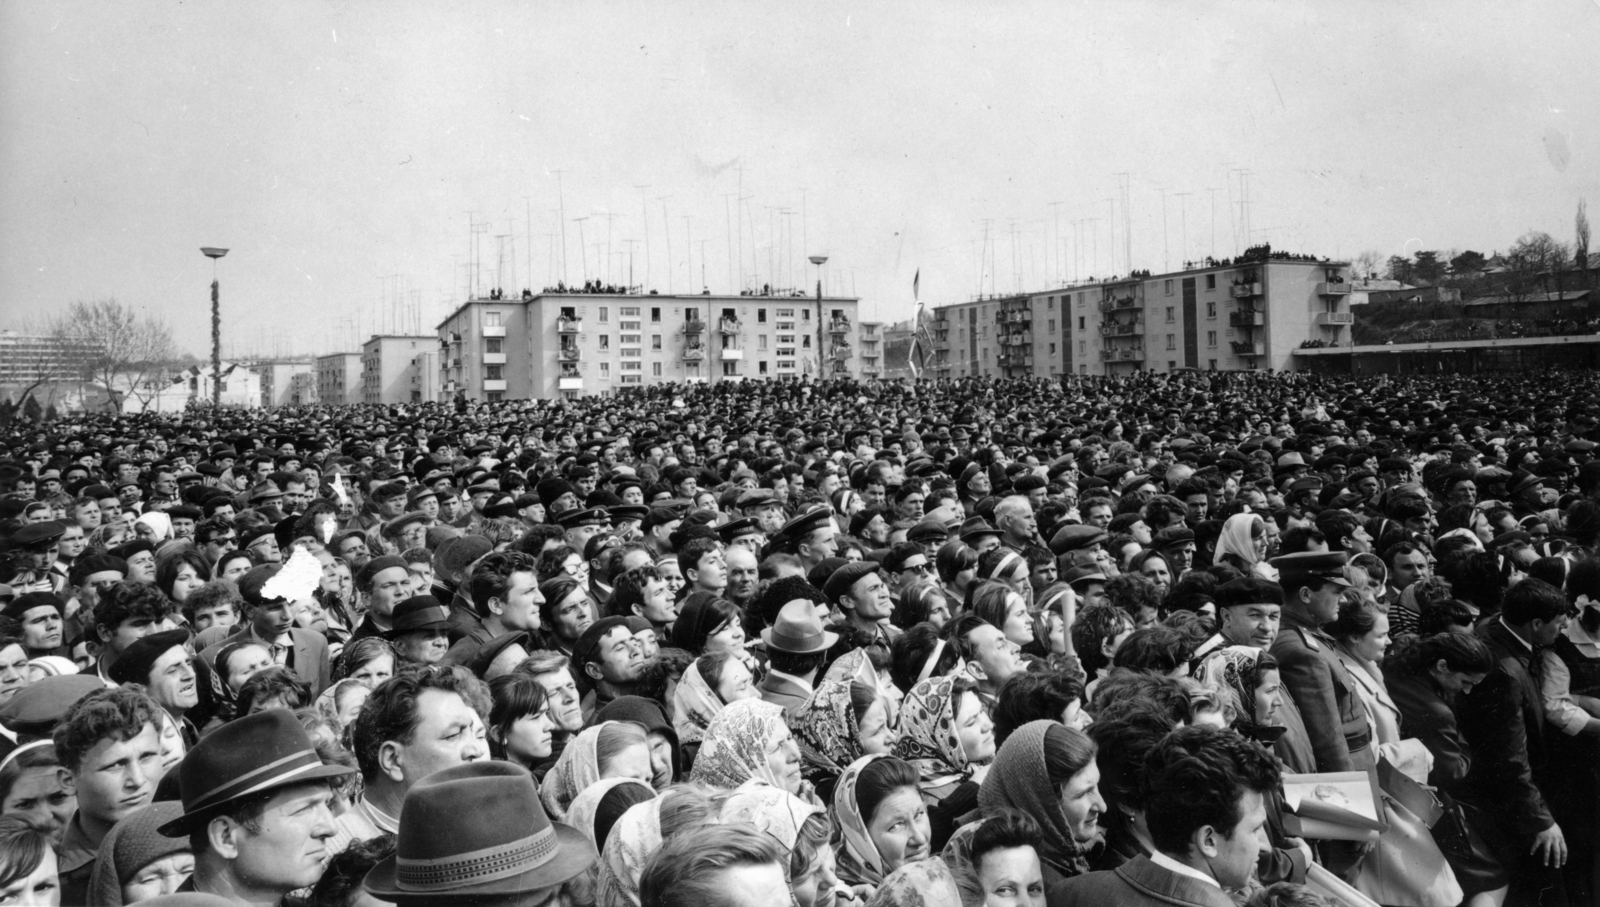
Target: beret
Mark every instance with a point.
(372, 568)
(136, 661)
(36, 708)
(839, 584)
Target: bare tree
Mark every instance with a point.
(1368, 263)
(1533, 260)
(131, 351)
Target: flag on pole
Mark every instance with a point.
(921, 340)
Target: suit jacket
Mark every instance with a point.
(311, 663)
(783, 691)
(1136, 883)
(1503, 720)
(1321, 688)
(1427, 717)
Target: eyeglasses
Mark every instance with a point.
(918, 569)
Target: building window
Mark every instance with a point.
(655, 369)
(761, 342)
(632, 352)
(1170, 310)
(631, 339)
(1211, 338)
(1052, 349)
(605, 370)
(496, 396)
(1211, 281)
(761, 316)
(730, 369)
(1080, 322)
(763, 366)
(655, 314)
(785, 325)
(1168, 289)
(605, 341)
(655, 342)
(491, 319)
(785, 340)
(805, 314)
(1211, 310)
(605, 310)
(1213, 364)
(632, 366)
(494, 345)
(632, 379)
(786, 313)
(1049, 302)
(494, 372)
(1052, 324)
(1172, 341)
(630, 311)
(806, 342)
(1083, 347)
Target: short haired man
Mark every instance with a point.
(717, 866)
(269, 623)
(128, 612)
(257, 810)
(1205, 807)
(643, 592)
(703, 566)
(610, 661)
(109, 743)
(41, 616)
(1312, 673)
(505, 592)
(553, 670)
(744, 575)
(215, 604)
(163, 664)
(991, 659)
(810, 537)
(417, 722)
(797, 644)
(1014, 517)
(215, 537)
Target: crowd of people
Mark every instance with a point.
(1190, 639)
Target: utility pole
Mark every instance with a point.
(667, 222)
(1185, 222)
(583, 248)
(561, 199)
(644, 209)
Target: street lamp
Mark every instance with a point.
(819, 261)
(214, 253)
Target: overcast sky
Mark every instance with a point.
(342, 150)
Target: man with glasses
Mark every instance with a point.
(906, 565)
(215, 537)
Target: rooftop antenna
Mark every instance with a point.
(583, 248)
(561, 200)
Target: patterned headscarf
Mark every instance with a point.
(632, 842)
(771, 810)
(928, 734)
(586, 806)
(1019, 780)
(852, 665)
(576, 770)
(825, 727)
(924, 883)
(694, 705)
(859, 860)
(1234, 669)
(735, 746)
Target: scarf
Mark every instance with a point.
(694, 706)
(1018, 780)
(735, 746)
(576, 770)
(130, 846)
(632, 842)
(772, 811)
(925, 883)
(586, 806)
(826, 729)
(1233, 668)
(859, 860)
(928, 739)
(1235, 539)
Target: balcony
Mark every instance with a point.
(494, 330)
(839, 326)
(694, 353)
(494, 384)
(1108, 355)
(732, 355)
(1131, 354)
(729, 326)
(1335, 319)
(839, 351)
(1021, 338)
(1246, 290)
(871, 370)
(570, 384)
(1118, 329)
(1248, 348)
(1246, 319)
(694, 326)
(1333, 288)
(1119, 302)
(568, 354)
(494, 358)
(569, 325)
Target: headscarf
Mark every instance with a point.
(1019, 780)
(859, 860)
(928, 735)
(735, 746)
(694, 706)
(159, 523)
(1226, 669)
(771, 810)
(1235, 539)
(924, 883)
(853, 665)
(130, 846)
(648, 714)
(586, 806)
(632, 842)
(825, 728)
(576, 770)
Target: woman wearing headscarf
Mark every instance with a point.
(840, 723)
(1047, 770)
(636, 837)
(1243, 545)
(154, 527)
(946, 735)
(750, 740)
(801, 827)
(136, 862)
(611, 749)
(595, 811)
(883, 823)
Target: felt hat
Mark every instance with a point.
(473, 833)
(798, 631)
(245, 757)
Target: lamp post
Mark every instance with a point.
(214, 253)
(819, 261)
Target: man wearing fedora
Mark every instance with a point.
(257, 809)
(796, 647)
(269, 624)
(477, 834)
